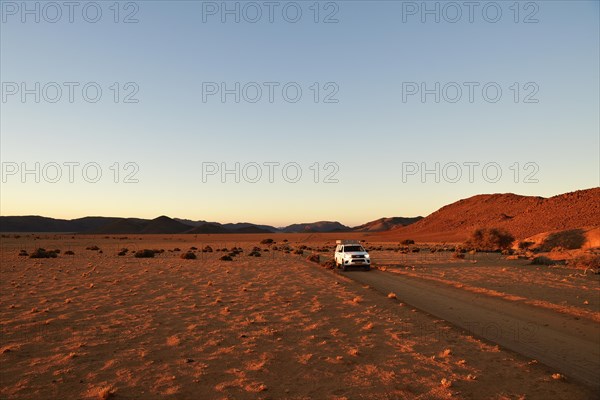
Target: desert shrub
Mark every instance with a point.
(298, 251)
(542, 260)
(314, 258)
(490, 239)
(57, 251)
(176, 249)
(146, 253)
(406, 242)
(93, 248)
(122, 253)
(207, 249)
(254, 253)
(569, 240)
(587, 261)
(69, 253)
(329, 264)
(284, 240)
(193, 248)
(415, 250)
(42, 253)
(226, 258)
(225, 249)
(458, 255)
(524, 245)
(188, 256)
(275, 248)
(23, 253)
(266, 241)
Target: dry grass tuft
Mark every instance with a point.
(368, 326)
(353, 352)
(105, 392)
(173, 340)
(446, 353)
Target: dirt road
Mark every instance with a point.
(566, 343)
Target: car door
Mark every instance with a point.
(340, 254)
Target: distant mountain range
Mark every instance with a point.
(523, 216)
(167, 225)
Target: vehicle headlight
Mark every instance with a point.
(367, 256)
(347, 256)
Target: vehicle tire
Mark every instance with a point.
(344, 267)
(368, 268)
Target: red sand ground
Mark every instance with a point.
(96, 325)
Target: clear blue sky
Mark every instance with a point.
(371, 56)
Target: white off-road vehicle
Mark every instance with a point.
(350, 253)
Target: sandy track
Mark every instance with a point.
(569, 344)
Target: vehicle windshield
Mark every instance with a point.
(353, 248)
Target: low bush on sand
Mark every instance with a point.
(490, 239)
(42, 253)
(188, 256)
(569, 240)
(146, 253)
(314, 258)
(542, 260)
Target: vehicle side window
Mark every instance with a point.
(341, 249)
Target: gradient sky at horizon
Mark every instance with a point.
(369, 133)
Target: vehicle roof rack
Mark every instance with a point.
(346, 241)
